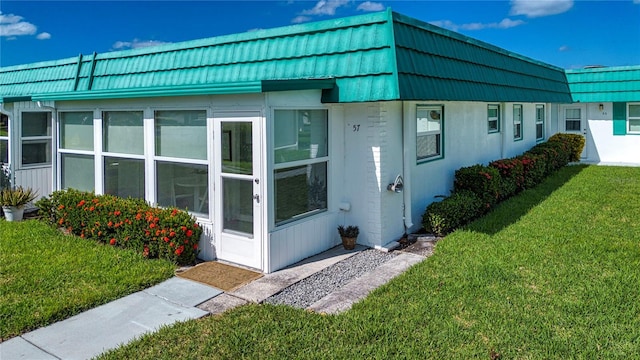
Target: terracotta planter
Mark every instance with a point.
(349, 243)
(13, 213)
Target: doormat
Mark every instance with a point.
(222, 276)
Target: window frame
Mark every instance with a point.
(629, 118)
(573, 120)
(62, 152)
(278, 166)
(36, 139)
(540, 121)
(6, 139)
(491, 119)
(440, 154)
(155, 159)
(519, 122)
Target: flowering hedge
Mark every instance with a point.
(499, 181)
(129, 223)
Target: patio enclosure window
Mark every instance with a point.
(634, 118)
(429, 132)
(493, 118)
(36, 138)
(76, 150)
(539, 122)
(182, 173)
(4, 138)
(123, 146)
(517, 122)
(300, 150)
(77, 172)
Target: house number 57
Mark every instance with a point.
(356, 128)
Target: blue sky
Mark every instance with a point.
(565, 33)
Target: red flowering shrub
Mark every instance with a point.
(129, 223)
(512, 176)
(482, 180)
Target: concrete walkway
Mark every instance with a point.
(106, 327)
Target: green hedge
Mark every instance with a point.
(454, 211)
(477, 188)
(129, 223)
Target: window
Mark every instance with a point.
(572, 120)
(4, 139)
(539, 122)
(36, 138)
(634, 118)
(300, 163)
(182, 174)
(123, 143)
(517, 122)
(76, 151)
(429, 132)
(493, 118)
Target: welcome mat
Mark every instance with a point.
(222, 276)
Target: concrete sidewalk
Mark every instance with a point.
(106, 327)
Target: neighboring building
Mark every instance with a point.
(606, 110)
(273, 138)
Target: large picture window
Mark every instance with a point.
(429, 129)
(517, 122)
(493, 118)
(540, 122)
(634, 118)
(300, 163)
(36, 138)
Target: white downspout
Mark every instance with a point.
(406, 193)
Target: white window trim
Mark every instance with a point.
(540, 122)
(440, 154)
(7, 139)
(518, 122)
(36, 139)
(629, 118)
(273, 167)
(492, 119)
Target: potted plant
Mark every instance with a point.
(349, 235)
(13, 201)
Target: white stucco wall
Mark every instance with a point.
(602, 145)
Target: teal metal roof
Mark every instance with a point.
(372, 57)
(604, 84)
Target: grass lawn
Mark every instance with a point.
(551, 274)
(46, 276)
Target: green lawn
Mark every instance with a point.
(46, 276)
(551, 274)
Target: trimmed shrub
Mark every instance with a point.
(453, 212)
(556, 153)
(482, 180)
(534, 168)
(575, 143)
(129, 223)
(512, 175)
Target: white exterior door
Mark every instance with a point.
(574, 121)
(238, 219)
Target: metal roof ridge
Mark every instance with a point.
(603, 69)
(463, 38)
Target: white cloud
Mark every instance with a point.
(325, 7)
(373, 6)
(538, 8)
(12, 25)
(636, 1)
(135, 44)
(504, 24)
(43, 36)
(300, 19)
(564, 48)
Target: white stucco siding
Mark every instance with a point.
(602, 145)
(466, 142)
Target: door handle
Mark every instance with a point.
(256, 197)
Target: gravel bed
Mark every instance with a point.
(307, 291)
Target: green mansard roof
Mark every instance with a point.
(373, 57)
(605, 84)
